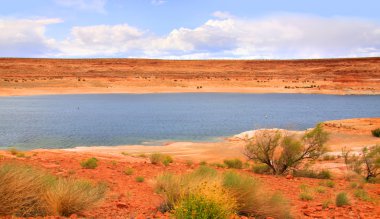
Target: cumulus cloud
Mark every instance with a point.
(25, 37)
(91, 5)
(223, 36)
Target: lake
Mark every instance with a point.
(63, 121)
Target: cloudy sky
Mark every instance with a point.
(190, 29)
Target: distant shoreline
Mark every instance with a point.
(347, 76)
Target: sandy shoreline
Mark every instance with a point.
(350, 133)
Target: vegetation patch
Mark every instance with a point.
(280, 153)
(90, 163)
(28, 192)
(342, 199)
(129, 171)
(221, 195)
(366, 164)
(139, 179)
(324, 174)
(376, 132)
(234, 163)
(362, 195)
(157, 158)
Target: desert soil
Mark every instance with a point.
(129, 199)
(74, 76)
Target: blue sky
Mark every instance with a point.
(184, 29)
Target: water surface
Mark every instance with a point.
(62, 121)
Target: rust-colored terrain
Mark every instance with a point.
(56, 76)
(127, 198)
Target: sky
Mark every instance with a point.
(190, 29)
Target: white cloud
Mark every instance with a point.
(25, 37)
(100, 40)
(158, 2)
(224, 36)
(90, 5)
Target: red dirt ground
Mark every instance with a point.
(130, 199)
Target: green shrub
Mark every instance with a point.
(320, 189)
(155, 158)
(205, 201)
(292, 149)
(30, 192)
(203, 163)
(167, 160)
(219, 165)
(342, 199)
(305, 196)
(327, 183)
(90, 163)
(306, 193)
(326, 204)
(128, 171)
(125, 153)
(234, 163)
(261, 168)
(376, 132)
(362, 195)
(206, 187)
(324, 174)
(140, 179)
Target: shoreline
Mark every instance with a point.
(352, 133)
(53, 92)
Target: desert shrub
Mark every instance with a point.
(69, 196)
(367, 163)
(139, 179)
(289, 151)
(90, 163)
(306, 193)
(166, 160)
(128, 171)
(142, 155)
(206, 187)
(207, 200)
(376, 132)
(155, 158)
(234, 163)
(219, 165)
(362, 195)
(320, 189)
(324, 174)
(203, 163)
(326, 204)
(125, 153)
(253, 199)
(189, 163)
(27, 191)
(341, 199)
(260, 168)
(13, 151)
(327, 183)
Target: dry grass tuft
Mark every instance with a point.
(27, 191)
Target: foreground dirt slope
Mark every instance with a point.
(46, 76)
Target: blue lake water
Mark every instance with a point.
(62, 121)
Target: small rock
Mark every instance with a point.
(121, 205)
(289, 176)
